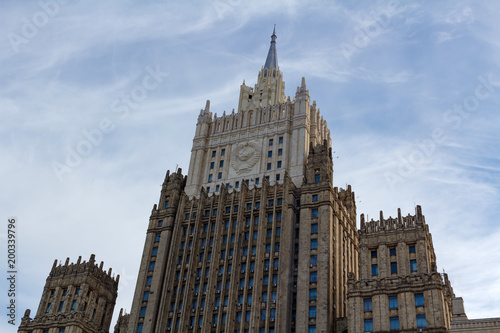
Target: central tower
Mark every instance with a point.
(268, 135)
(255, 238)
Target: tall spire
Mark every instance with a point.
(272, 57)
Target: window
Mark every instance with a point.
(143, 312)
(213, 153)
(314, 260)
(367, 304)
(393, 302)
(264, 297)
(313, 294)
(278, 232)
(278, 177)
(421, 321)
(238, 316)
(314, 228)
(315, 197)
(268, 166)
(61, 330)
(394, 323)
(207, 212)
(279, 164)
(222, 152)
(235, 208)
(61, 304)
(392, 251)
(314, 213)
(276, 263)
(155, 251)
(213, 213)
(280, 140)
(412, 248)
(255, 234)
(237, 184)
(313, 276)
(280, 201)
(221, 163)
(317, 178)
(263, 314)
(73, 305)
(219, 175)
(374, 270)
(280, 152)
(276, 247)
(254, 250)
(244, 251)
(257, 181)
(217, 188)
(208, 191)
(413, 265)
(394, 268)
(312, 329)
(312, 312)
(157, 237)
(268, 248)
(270, 153)
(210, 177)
(149, 280)
(160, 223)
(419, 299)
(152, 265)
(212, 164)
(271, 142)
(374, 254)
(265, 281)
(249, 206)
(368, 325)
(145, 296)
(314, 244)
(166, 204)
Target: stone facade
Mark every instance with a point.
(77, 298)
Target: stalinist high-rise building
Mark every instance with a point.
(255, 238)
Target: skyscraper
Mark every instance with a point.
(255, 237)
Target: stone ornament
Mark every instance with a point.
(244, 157)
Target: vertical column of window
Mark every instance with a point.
(413, 258)
(393, 260)
(374, 261)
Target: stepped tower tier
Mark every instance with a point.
(267, 135)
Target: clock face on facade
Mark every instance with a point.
(244, 158)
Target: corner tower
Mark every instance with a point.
(77, 298)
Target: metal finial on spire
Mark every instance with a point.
(272, 57)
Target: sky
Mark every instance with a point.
(99, 99)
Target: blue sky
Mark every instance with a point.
(409, 91)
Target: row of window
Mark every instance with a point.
(392, 251)
(393, 302)
(394, 267)
(237, 184)
(394, 323)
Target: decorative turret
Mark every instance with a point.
(79, 297)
